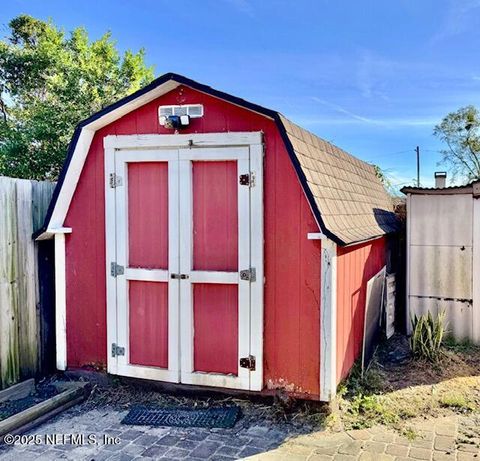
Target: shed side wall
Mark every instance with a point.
(440, 257)
(292, 263)
(355, 266)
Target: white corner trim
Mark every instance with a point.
(328, 321)
(60, 302)
(316, 236)
(476, 279)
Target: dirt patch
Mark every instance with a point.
(289, 416)
(396, 387)
(400, 370)
(12, 407)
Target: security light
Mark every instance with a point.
(175, 122)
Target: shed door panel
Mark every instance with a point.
(215, 216)
(215, 246)
(215, 309)
(147, 249)
(148, 323)
(148, 215)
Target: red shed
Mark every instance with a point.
(204, 240)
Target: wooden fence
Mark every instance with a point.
(26, 300)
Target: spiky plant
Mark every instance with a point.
(427, 336)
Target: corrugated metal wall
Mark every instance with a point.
(440, 256)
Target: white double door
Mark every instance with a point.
(184, 292)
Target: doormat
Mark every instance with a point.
(221, 417)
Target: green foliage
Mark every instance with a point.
(361, 399)
(427, 336)
(460, 131)
(50, 81)
(368, 410)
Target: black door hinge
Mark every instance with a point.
(247, 179)
(117, 350)
(248, 362)
(116, 269)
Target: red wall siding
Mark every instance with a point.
(355, 266)
(292, 263)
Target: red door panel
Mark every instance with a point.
(148, 323)
(215, 216)
(148, 215)
(215, 328)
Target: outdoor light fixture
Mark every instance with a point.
(175, 122)
(177, 117)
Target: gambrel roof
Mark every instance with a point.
(347, 198)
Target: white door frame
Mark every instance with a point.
(136, 145)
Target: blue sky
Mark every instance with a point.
(373, 77)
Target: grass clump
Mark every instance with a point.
(427, 337)
(457, 401)
(361, 400)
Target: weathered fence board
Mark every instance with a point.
(23, 205)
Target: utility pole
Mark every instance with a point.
(417, 150)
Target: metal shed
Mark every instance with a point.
(443, 256)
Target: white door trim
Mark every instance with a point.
(130, 148)
(192, 140)
(110, 255)
(256, 261)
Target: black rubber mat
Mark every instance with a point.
(224, 417)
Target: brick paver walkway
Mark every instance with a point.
(455, 438)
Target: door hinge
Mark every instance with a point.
(247, 179)
(248, 362)
(115, 180)
(117, 350)
(116, 269)
(248, 274)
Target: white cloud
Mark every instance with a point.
(353, 118)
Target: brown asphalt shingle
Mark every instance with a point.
(352, 201)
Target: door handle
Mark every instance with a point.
(179, 276)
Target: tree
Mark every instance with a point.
(50, 81)
(460, 131)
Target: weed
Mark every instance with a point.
(457, 401)
(464, 346)
(409, 433)
(427, 336)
